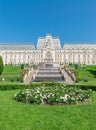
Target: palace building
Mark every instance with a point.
(49, 50)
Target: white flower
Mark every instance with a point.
(48, 95)
(65, 97)
(38, 91)
(62, 98)
(44, 97)
(15, 95)
(72, 98)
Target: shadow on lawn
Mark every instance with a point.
(93, 72)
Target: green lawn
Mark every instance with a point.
(87, 73)
(8, 83)
(10, 74)
(18, 116)
(10, 70)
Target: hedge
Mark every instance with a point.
(52, 84)
(85, 87)
(17, 86)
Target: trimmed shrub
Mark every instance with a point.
(23, 72)
(20, 79)
(22, 66)
(1, 65)
(53, 95)
(78, 79)
(50, 84)
(84, 87)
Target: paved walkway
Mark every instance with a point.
(28, 77)
(67, 78)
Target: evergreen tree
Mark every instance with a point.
(22, 66)
(1, 65)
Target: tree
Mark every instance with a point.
(76, 66)
(22, 66)
(1, 65)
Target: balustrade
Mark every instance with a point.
(48, 73)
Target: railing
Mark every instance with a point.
(70, 74)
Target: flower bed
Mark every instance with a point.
(53, 95)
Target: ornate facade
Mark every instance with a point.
(48, 50)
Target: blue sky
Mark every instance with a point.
(26, 20)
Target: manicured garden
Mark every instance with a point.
(85, 74)
(56, 95)
(48, 106)
(22, 116)
(12, 74)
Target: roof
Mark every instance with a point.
(82, 46)
(17, 46)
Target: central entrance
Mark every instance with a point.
(48, 58)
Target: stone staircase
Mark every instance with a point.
(48, 72)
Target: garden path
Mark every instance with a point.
(67, 78)
(28, 76)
